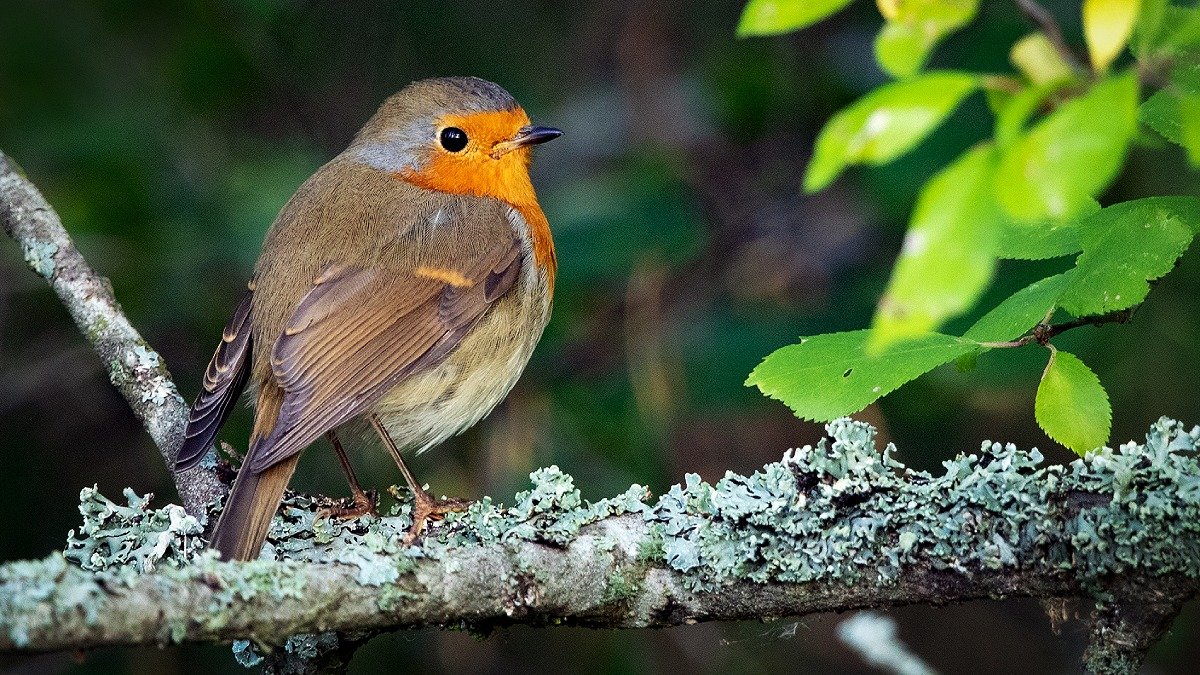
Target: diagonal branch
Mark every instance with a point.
(134, 368)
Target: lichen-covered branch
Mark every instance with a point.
(834, 527)
(135, 369)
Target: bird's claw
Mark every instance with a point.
(426, 508)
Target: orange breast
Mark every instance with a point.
(506, 178)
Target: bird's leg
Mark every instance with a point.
(364, 503)
(425, 507)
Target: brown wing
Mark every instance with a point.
(224, 380)
(358, 332)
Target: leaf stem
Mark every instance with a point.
(1049, 25)
(1044, 331)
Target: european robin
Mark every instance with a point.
(406, 282)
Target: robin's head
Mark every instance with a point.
(461, 135)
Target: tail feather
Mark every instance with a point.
(252, 503)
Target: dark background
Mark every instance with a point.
(168, 135)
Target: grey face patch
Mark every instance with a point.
(403, 145)
(389, 157)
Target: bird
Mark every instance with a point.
(405, 283)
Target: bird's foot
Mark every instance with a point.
(426, 508)
(362, 504)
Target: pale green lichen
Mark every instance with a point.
(552, 511)
(40, 257)
(31, 595)
(839, 512)
(825, 512)
(246, 654)
(97, 327)
(843, 510)
(131, 536)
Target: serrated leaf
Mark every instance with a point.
(1071, 405)
(1172, 33)
(1107, 25)
(1040, 241)
(1071, 155)
(1019, 312)
(1164, 110)
(773, 17)
(913, 29)
(948, 257)
(1148, 27)
(828, 376)
(1037, 59)
(1125, 246)
(885, 124)
(1161, 112)
(1037, 241)
(1189, 116)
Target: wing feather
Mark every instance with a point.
(359, 332)
(224, 380)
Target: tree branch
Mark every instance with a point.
(134, 368)
(831, 528)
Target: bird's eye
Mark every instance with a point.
(453, 139)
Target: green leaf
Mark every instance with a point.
(1161, 112)
(1189, 116)
(1148, 28)
(1071, 155)
(828, 376)
(1107, 25)
(1124, 247)
(901, 49)
(1020, 107)
(1071, 405)
(773, 17)
(1174, 111)
(914, 28)
(1047, 239)
(997, 97)
(1020, 311)
(885, 124)
(948, 257)
(1172, 33)
(1037, 59)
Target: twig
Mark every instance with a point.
(134, 368)
(1044, 332)
(1049, 25)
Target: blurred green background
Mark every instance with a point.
(168, 135)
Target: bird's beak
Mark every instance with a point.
(525, 136)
